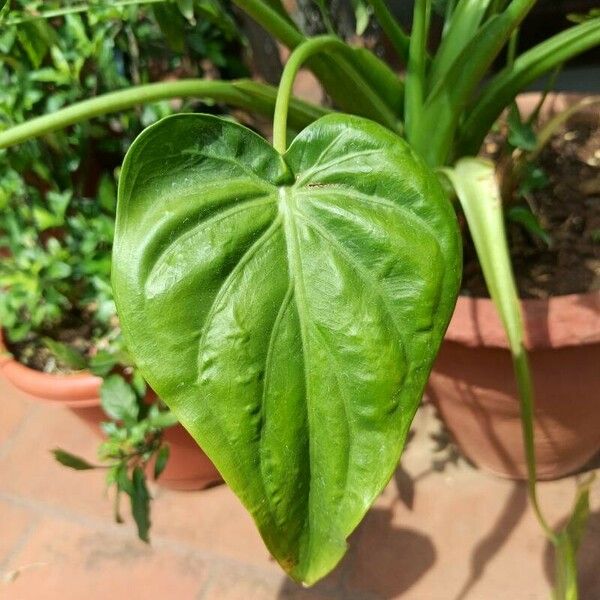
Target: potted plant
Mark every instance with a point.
(59, 335)
(554, 265)
(58, 316)
(288, 302)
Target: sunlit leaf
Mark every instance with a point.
(287, 309)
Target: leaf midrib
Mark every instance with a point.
(292, 242)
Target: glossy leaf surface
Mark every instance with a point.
(288, 310)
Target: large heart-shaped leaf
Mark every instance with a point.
(288, 309)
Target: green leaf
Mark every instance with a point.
(124, 483)
(567, 545)
(36, 38)
(118, 400)
(520, 134)
(58, 270)
(59, 203)
(140, 504)
(362, 13)
(138, 383)
(534, 63)
(171, 24)
(107, 193)
(186, 8)
(288, 310)
(103, 362)
(532, 178)
(462, 27)
(380, 77)
(70, 460)
(162, 457)
(65, 354)
(523, 216)
(161, 419)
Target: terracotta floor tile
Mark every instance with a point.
(468, 536)
(13, 410)
(431, 536)
(14, 523)
(213, 520)
(246, 584)
(65, 561)
(30, 471)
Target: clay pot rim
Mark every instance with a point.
(80, 390)
(556, 322)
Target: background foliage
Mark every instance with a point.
(58, 194)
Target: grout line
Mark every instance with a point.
(158, 542)
(215, 563)
(19, 544)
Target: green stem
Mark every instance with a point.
(475, 184)
(511, 53)
(71, 10)
(398, 38)
(298, 57)
(244, 94)
(526, 400)
(272, 21)
(548, 87)
(337, 73)
(416, 69)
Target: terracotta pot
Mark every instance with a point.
(473, 385)
(188, 467)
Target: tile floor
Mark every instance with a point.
(458, 534)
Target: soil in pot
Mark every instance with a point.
(567, 207)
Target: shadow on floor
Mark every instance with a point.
(383, 562)
(498, 535)
(588, 559)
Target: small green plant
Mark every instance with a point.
(133, 447)
(287, 301)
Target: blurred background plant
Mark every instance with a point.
(58, 193)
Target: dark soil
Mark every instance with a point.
(568, 209)
(74, 332)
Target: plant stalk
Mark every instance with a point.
(416, 73)
(299, 56)
(398, 38)
(475, 184)
(244, 94)
(272, 21)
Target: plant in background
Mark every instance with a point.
(134, 446)
(306, 289)
(56, 307)
(58, 195)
